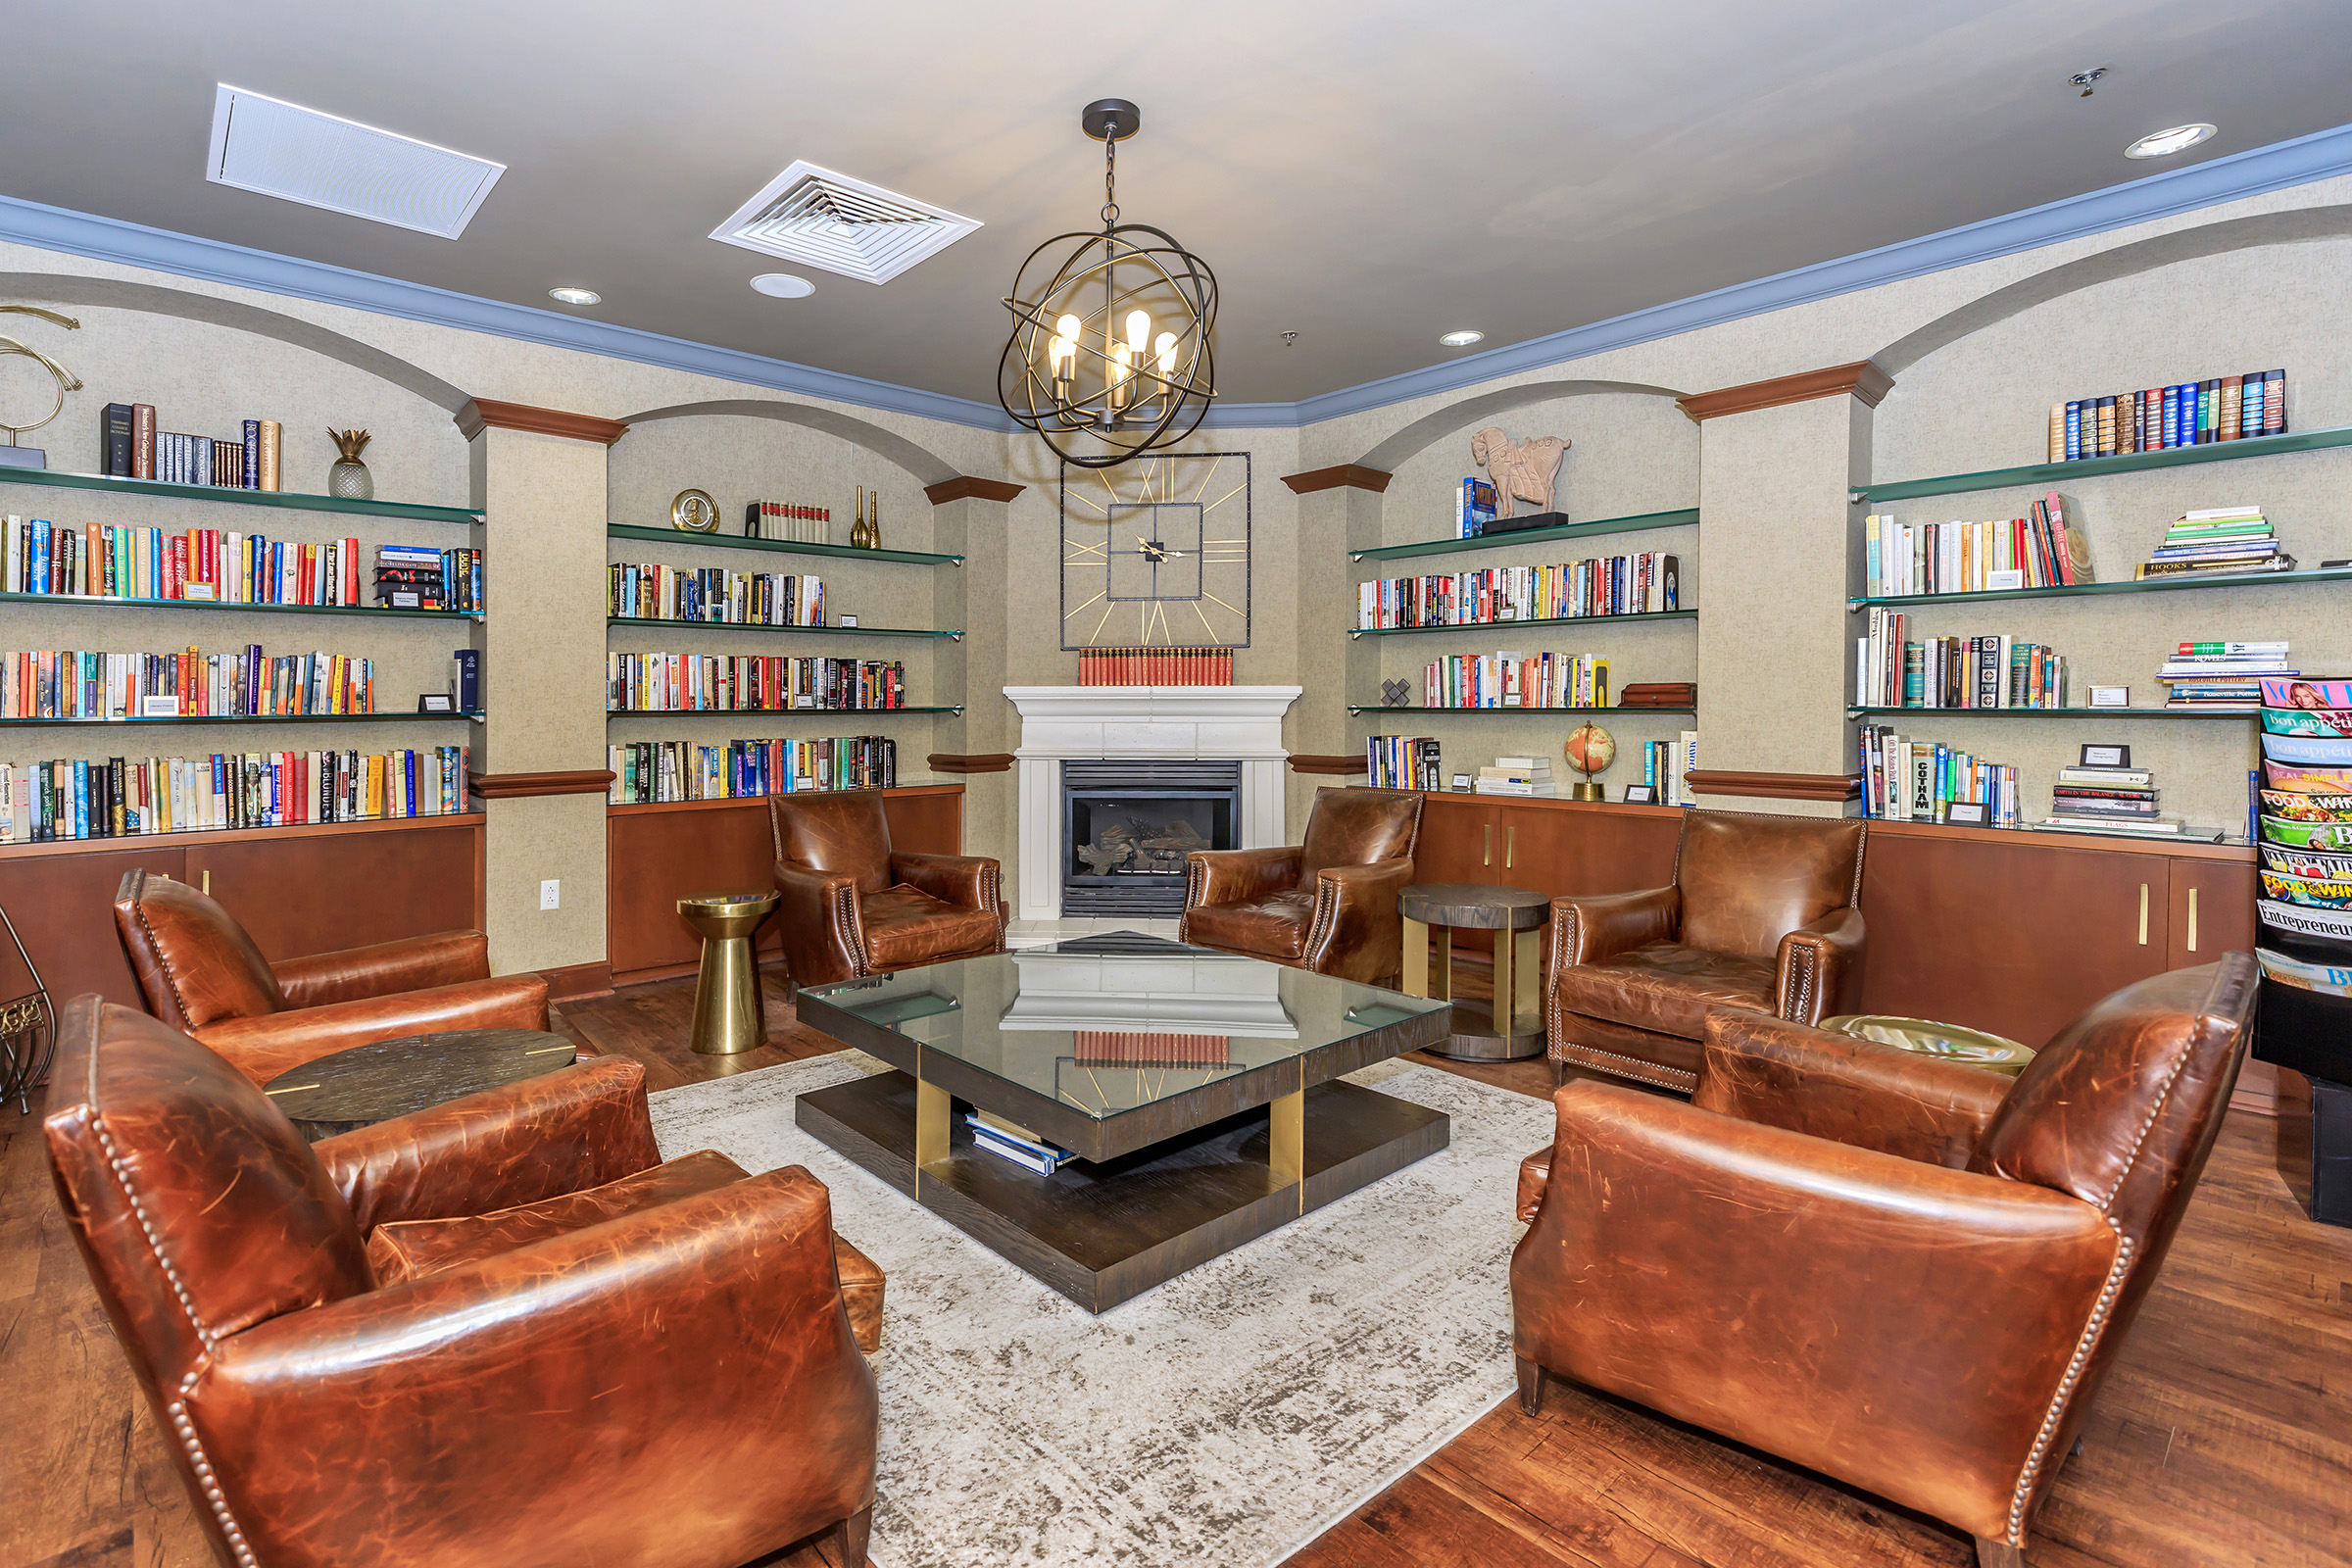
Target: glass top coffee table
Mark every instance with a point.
(1196, 1090)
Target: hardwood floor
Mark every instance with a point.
(2222, 1435)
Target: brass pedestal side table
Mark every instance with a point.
(1511, 1027)
(729, 1016)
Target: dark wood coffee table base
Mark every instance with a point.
(1102, 1233)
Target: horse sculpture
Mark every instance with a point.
(1522, 469)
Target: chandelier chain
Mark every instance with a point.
(1111, 181)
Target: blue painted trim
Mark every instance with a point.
(110, 239)
(2323, 155)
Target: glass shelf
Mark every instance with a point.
(1507, 625)
(781, 546)
(286, 499)
(2057, 473)
(2151, 585)
(242, 718)
(1529, 536)
(772, 712)
(1552, 712)
(115, 601)
(794, 631)
(2060, 712)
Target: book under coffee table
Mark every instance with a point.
(1197, 1089)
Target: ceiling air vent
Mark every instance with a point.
(300, 155)
(819, 219)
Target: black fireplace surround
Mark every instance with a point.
(1127, 827)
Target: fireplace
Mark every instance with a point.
(1129, 825)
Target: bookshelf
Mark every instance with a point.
(1491, 712)
(1640, 523)
(1941, 714)
(2152, 585)
(2054, 473)
(1507, 626)
(241, 718)
(778, 713)
(791, 631)
(285, 500)
(781, 547)
(236, 607)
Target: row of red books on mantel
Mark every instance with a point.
(1155, 667)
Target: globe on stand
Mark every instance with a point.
(1590, 750)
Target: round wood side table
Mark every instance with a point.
(367, 1084)
(1510, 1028)
(729, 1014)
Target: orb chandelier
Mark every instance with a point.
(1110, 355)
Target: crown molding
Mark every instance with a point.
(1351, 475)
(963, 485)
(2233, 177)
(483, 414)
(1862, 378)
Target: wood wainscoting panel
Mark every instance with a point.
(657, 855)
(1553, 847)
(63, 908)
(578, 982)
(318, 894)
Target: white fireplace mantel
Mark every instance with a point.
(1102, 723)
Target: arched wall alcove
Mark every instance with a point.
(1401, 445)
(925, 466)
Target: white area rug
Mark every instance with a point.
(1228, 1416)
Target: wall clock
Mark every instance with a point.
(1155, 553)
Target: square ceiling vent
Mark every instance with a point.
(300, 155)
(819, 219)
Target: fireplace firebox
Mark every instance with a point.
(1128, 826)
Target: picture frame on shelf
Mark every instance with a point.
(1967, 814)
(154, 706)
(435, 702)
(845, 620)
(2098, 756)
(1641, 795)
(2111, 697)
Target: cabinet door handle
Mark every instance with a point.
(1510, 844)
(207, 889)
(1488, 858)
(2192, 919)
(2143, 915)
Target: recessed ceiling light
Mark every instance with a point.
(576, 296)
(783, 286)
(2165, 143)
(1460, 340)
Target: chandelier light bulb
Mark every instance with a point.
(1069, 326)
(1139, 331)
(1165, 352)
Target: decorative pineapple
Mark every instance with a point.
(349, 480)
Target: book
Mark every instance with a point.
(115, 440)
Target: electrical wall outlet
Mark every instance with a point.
(550, 894)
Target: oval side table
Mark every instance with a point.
(1511, 1027)
(730, 1017)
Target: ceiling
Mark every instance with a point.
(1364, 173)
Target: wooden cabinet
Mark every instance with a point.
(297, 890)
(657, 854)
(1553, 847)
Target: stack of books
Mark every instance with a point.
(1006, 1140)
(1644, 584)
(2216, 542)
(787, 521)
(1475, 506)
(1905, 780)
(2107, 800)
(1903, 560)
(1993, 670)
(1659, 694)
(1511, 679)
(2223, 677)
(1402, 762)
(2224, 407)
(1663, 763)
(1516, 775)
(130, 447)
(410, 577)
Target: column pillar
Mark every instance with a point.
(1339, 512)
(972, 518)
(1777, 462)
(538, 764)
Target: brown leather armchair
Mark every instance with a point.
(853, 905)
(1760, 917)
(199, 971)
(1905, 1273)
(1328, 904)
(493, 1332)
